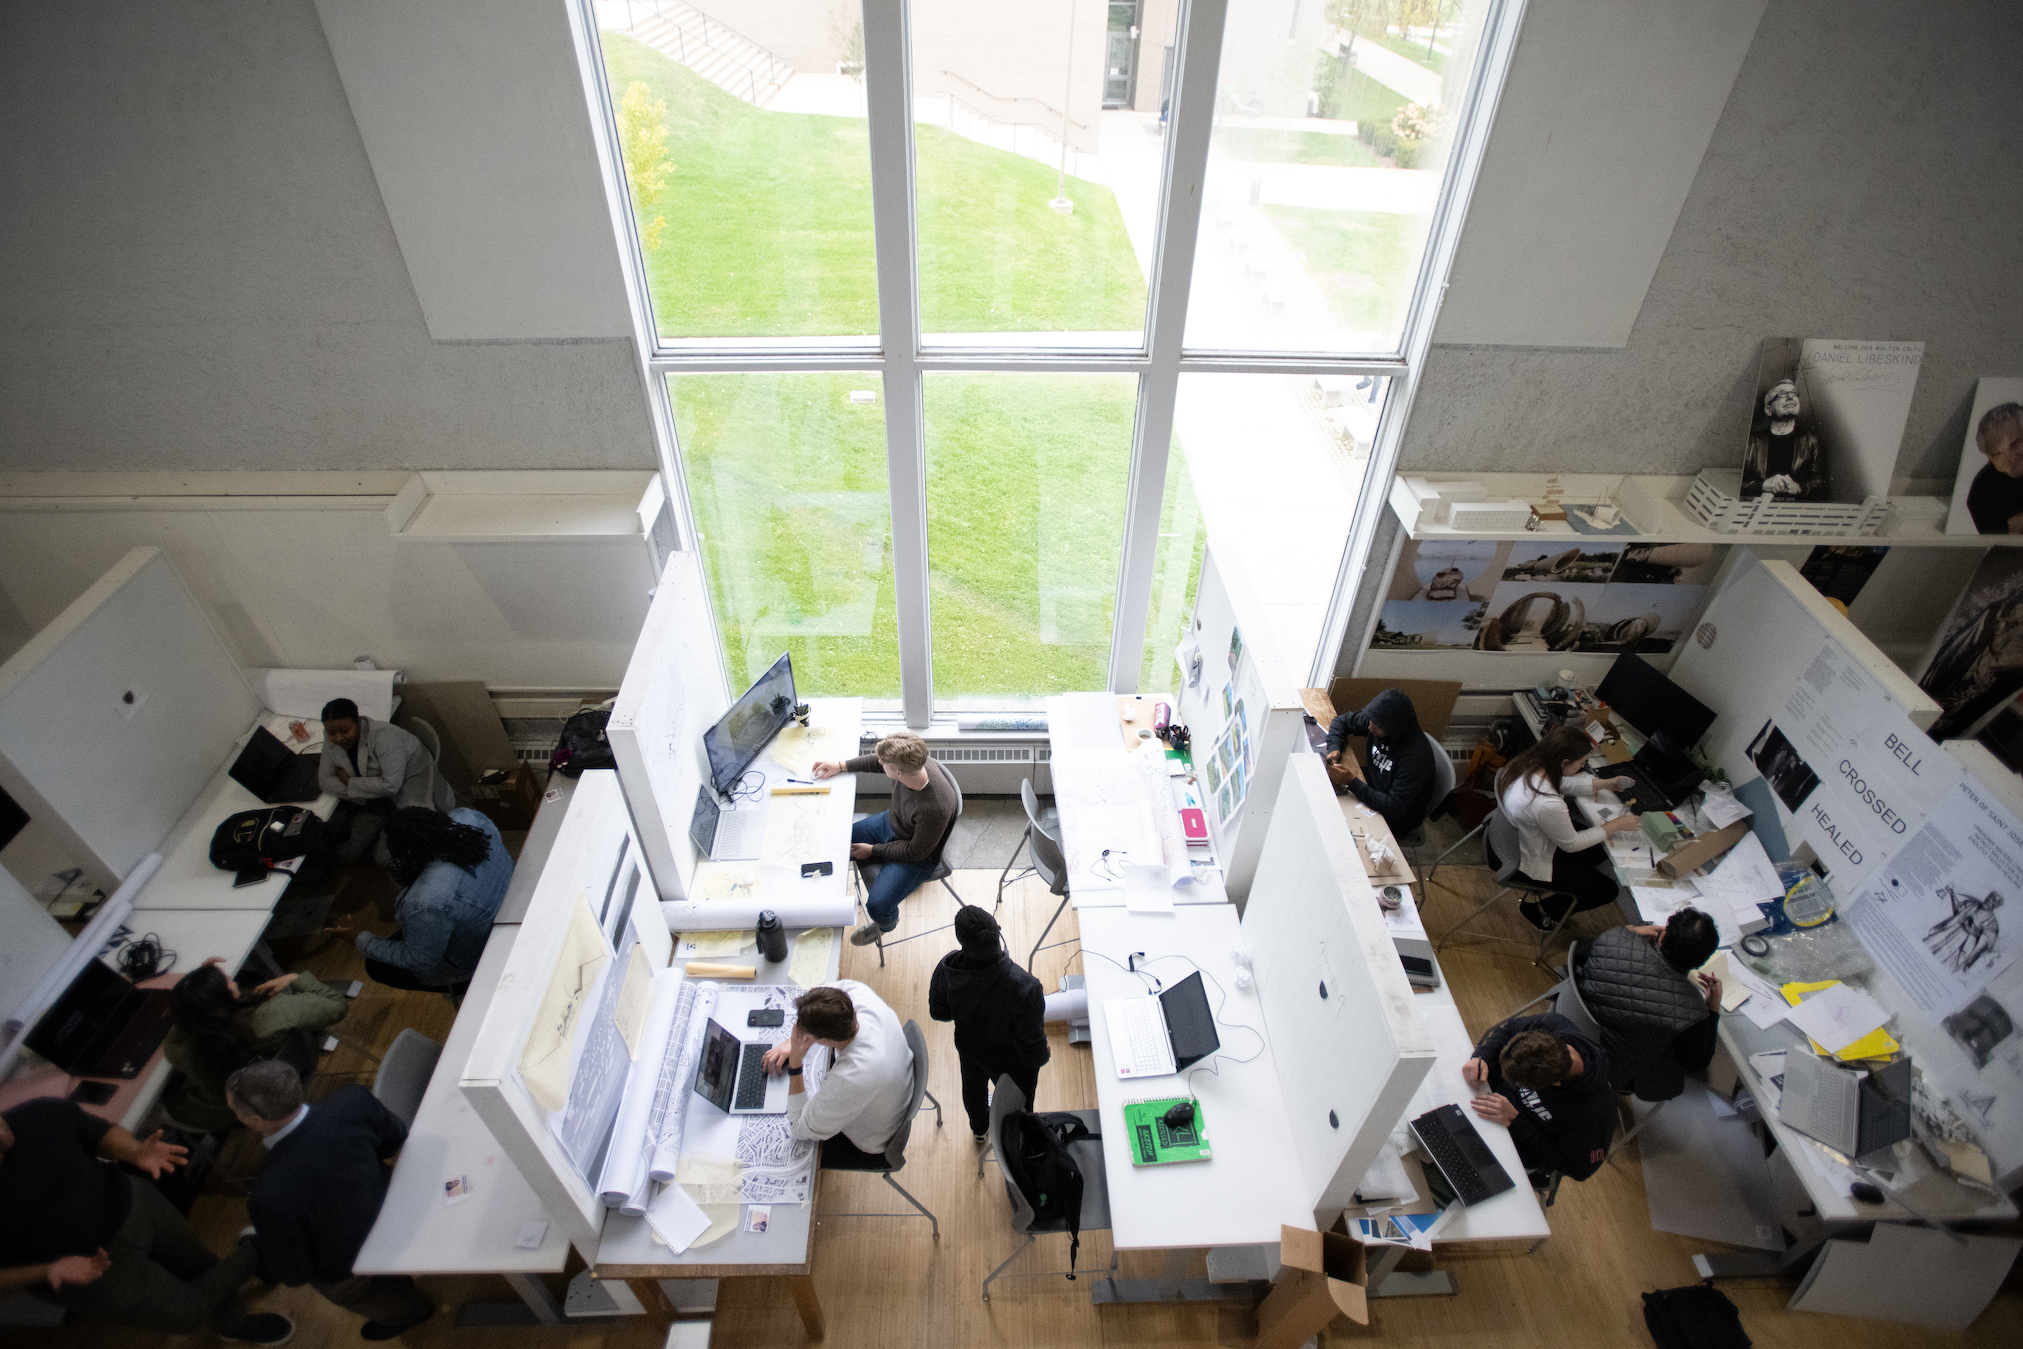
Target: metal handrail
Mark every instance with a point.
(773, 61)
(1058, 114)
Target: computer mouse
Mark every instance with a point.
(1864, 1193)
(1180, 1116)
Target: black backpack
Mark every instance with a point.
(582, 745)
(1035, 1152)
(253, 840)
(1698, 1316)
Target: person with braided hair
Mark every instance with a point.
(454, 869)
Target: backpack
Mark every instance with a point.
(1698, 1316)
(253, 840)
(1035, 1152)
(582, 744)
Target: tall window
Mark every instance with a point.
(975, 323)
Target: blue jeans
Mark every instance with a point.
(896, 880)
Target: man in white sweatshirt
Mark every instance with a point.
(868, 1087)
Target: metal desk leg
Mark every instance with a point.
(1756, 1264)
(1172, 1285)
(1387, 1281)
(537, 1307)
(807, 1304)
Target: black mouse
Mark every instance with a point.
(1180, 1116)
(1864, 1193)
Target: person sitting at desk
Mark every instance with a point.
(84, 1235)
(869, 1085)
(908, 837)
(319, 1194)
(219, 1030)
(1399, 785)
(1550, 1085)
(1572, 861)
(373, 768)
(1657, 1017)
(455, 869)
(999, 1013)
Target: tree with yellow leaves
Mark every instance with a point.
(642, 138)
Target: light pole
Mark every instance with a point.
(1060, 202)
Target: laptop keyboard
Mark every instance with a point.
(1460, 1172)
(738, 836)
(1141, 1025)
(750, 1092)
(1642, 793)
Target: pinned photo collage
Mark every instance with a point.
(1557, 595)
(1229, 765)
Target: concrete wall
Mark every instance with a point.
(1853, 188)
(200, 272)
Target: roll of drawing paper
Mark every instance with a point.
(625, 1157)
(706, 969)
(717, 915)
(1070, 1004)
(670, 1109)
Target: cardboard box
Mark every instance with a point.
(510, 804)
(1432, 699)
(1690, 857)
(1325, 1275)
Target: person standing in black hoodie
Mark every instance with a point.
(1399, 785)
(998, 1010)
(1550, 1085)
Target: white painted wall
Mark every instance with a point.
(30, 942)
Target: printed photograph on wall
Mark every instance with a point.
(1788, 775)
(1530, 617)
(1839, 571)
(1976, 662)
(1988, 493)
(1569, 566)
(1426, 625)
(1447, 571)
(1648, 619)
(1667, 564)
(1828, 417)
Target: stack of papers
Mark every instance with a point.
(1841, 1020)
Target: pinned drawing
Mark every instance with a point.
(634, 998)
(1968, 935)
(544, 1063)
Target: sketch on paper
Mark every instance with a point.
(1968, 934)
(799, 748)
(1980, 1028)
(793, 830)
(634, 999)
(597, 1078)
(544, 1062)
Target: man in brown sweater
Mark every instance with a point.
(907, 838)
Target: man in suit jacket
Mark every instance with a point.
(316, 1201)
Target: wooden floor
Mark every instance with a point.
(885, 1283)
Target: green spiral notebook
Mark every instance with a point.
(1154, 1142)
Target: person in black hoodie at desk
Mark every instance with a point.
(998, 1010)
(1399, 785)
(1550, 1085)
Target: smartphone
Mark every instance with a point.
(93, 1093)
(818, 869)
(766, 1016)
(252, 876)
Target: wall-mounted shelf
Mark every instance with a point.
(513, 507)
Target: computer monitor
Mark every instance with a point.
(753, 720)
(1651, 703)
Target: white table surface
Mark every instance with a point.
(534, 850)
(1084, 721)
(1508, 1216)
(785, 881)
(187, 880)
(195, 935)
(417, 1233)
(1250, 1188)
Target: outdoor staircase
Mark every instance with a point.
(735, 64)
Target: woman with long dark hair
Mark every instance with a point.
(219, 1030)
(454, 869)
(1531, 793)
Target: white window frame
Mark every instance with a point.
(899, 357)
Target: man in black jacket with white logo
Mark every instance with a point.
(1550, 1085)
(1399, 785)
(998, 1010)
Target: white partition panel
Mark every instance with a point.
(1351, 1046)
(1243, 682)
(115, 716)
(674, 689)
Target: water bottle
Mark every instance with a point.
(772, 937)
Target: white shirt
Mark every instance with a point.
(301, 1113)
(1543, 822)
(869, 1086)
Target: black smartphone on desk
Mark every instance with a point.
(766, 1016)
(817, 869)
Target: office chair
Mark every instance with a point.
(847, 1157)
(1502, 848)
(1006, 1100)
(426, 733)
(1443, 787)
(867, 872)
(404, 1073)
(1038, 821)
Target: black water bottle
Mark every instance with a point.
(772, 937)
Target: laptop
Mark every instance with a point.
(274, 773)
(1161, 1033)
(725, 835)
(1450, 1139)
(102, 1026)
(1661, 776)
(1853, 1113)
(731, 1075)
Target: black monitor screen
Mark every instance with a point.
(1652, 703)
(753, 720)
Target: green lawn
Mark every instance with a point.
(1411, 49)
(1295, 147)
(1361, 260)
(1366, 100)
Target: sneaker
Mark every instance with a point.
(866, 934)
(1534, 915)
(261, 1328)
(380, 1330)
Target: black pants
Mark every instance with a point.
(1585, 878)
(978, 1074)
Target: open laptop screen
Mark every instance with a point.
(1189, 1022)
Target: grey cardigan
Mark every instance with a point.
(392, 765)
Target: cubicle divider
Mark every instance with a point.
(1352, 1047)
(1240, 701)
(674, 690)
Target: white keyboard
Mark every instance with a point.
(739, 834)
(1138, 1040)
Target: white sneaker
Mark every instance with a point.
(866, 934)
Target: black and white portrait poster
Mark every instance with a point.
(1782, 766)
(1828, 418)
(1988, 493)
(1976, 661)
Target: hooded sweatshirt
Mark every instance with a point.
(1567, 1127)
(998, 1009)
(1399, 785)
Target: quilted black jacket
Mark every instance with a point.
(1642, 1005)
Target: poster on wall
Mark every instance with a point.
(1532, 616)
(1426, 625)
(1988, 493)
(1667, 564)
(1828, 418)
(1447, 571)
(1839, 571)
(1976, 661)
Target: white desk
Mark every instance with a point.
(417, 1233)
(187, 880)
(540, 841)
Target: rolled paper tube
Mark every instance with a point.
(1070, 1004)
(700, 969)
